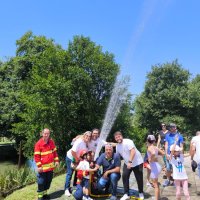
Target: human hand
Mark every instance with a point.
(129, 165)
(39, 169)
(57, 164)
(105, 175)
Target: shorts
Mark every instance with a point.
(85, 183)
(168, 166)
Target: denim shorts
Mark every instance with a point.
(168, 166)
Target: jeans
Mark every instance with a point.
(113, 180)
(68, 173)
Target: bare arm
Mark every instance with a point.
(192, 150)
(75, 155)
(158, 142)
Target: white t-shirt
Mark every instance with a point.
(78, 145)
(179, 172)
(83, 165)
(124, 150)
(196, 142)
(92, 145)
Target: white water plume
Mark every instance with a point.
(118, 97)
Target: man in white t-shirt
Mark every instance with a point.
(195, 150)
(133, 161)
(73, 155)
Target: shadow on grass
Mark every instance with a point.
(57, 194)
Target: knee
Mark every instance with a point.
(114, 177)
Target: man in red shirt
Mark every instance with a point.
(46, 158)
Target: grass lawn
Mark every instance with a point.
(30, 192)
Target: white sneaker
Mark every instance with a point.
(89, 198)
(141, 196)
(125, 197)
(67, 193)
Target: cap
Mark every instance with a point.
(151, 137)
(177, 148)
(172, 125)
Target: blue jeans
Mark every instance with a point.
(113, 179)
(198, 166)
(68, 173)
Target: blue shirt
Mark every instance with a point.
(108, 164)
(170, 138)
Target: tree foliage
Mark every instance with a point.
(164, 97)
(64, 90)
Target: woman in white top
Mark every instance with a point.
(179, 173)
(74, 154)
(156, 168)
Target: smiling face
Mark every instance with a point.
(108, 150)
(118, 138)
(46, 134)
(95, 134)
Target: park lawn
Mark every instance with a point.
(30, 192)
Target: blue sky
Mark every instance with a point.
(140, 33)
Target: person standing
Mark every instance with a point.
(133, 161)
(179, 173)
(161, 136)
(156, 168)
(46, 158)
(161, 143)
(169, 140)
(195, 150)
(73, 156)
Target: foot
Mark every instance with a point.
(113, 198)
(46, 197)
(166, 183)
(67, 193)
(125, 197)
(141, 196)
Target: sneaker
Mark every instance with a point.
(113, 198)
(46, 197)
(166, 183)
(141, 196)
(89, 198)
(125, 197)
(67, 193)
(148, 183)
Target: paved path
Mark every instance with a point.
(168, 193)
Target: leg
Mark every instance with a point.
(49, 177)
(185, 189)
(138, 172)
(125, 178)
(178, 189)
(156, 188)
(41, 184)
(114, 178)
(69, 173)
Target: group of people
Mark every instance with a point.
(80, 158)
(110, 162)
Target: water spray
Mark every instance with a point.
(118, 97)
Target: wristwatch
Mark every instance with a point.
(129, 161)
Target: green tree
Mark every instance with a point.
(163, 98)
(67, 91)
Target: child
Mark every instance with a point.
(156, 168)
(83, 169)
(179, 174)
